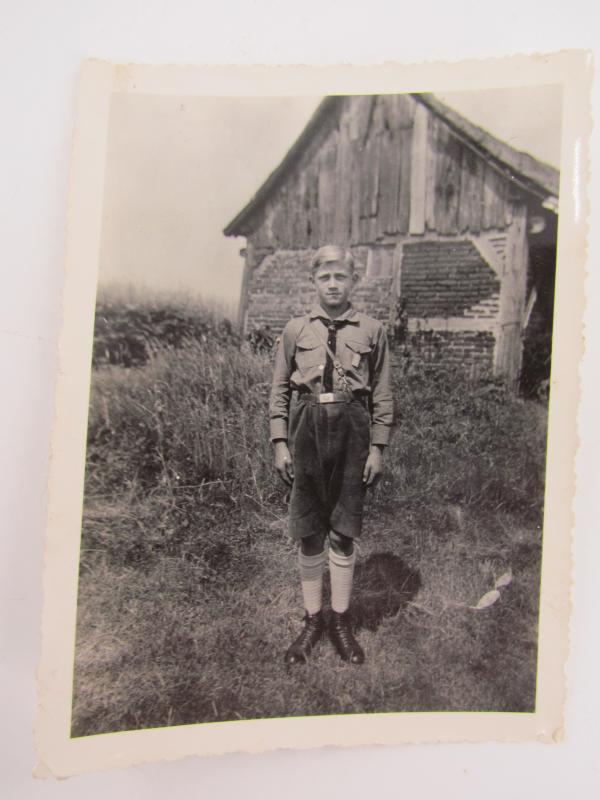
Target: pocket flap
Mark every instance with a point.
(309, 353)
(357, 346)
(307, 342)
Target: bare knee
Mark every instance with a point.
(340, 544)
(312, 545)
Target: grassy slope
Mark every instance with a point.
(177, 640)
(189, 592)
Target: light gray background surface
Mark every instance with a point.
(41, 47)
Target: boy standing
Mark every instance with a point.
(331, 412)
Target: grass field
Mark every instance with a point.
(188, 590)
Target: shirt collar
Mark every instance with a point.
(349, 314)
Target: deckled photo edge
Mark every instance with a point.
(60, 755)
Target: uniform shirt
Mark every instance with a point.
(362, 351)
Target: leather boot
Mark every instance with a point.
(340, 633)
(299, 651)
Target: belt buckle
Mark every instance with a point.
(326, 397)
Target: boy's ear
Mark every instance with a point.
(355, 278)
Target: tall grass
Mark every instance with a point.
(197, 416)
(468, 442)
(189, 592)
(191, 416)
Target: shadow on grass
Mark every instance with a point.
(383, 585)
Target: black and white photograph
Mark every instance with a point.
(434, 241)
(316, 445)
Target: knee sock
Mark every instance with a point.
(311, 577)
(341, 570)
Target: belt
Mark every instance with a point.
(332, 397)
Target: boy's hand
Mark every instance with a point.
(374, 466)
(283, 462)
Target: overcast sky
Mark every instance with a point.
(179, 169)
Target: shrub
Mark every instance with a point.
(127, 329)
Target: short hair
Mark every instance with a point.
(332, 252)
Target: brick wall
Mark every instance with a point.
(471, 350)
(279, 288)
(439, 278)
(446, 279)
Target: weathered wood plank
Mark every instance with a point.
(447, 188)
(312, 196)
(418, 175)
(369, 179)
(431, 169)
(405, 136)
(502, 202)
(378, 117)
(508, 206)
(279, 218)
(365, 179)
(327, 189)
(260, 236)
(290, 212)
(493, 202)
(509, 344)
(356, 156)
(360, 117)
(398, 111)
(364, 229)
(389, 111)
(471, 192)
(372, 231)
(389, 182)
(299, 237)
(406, 108)
(343, 208)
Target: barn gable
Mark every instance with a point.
(430, 205)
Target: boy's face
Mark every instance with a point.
(334, 282)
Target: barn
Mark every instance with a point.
(452, 229)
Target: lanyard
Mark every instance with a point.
(336, 364)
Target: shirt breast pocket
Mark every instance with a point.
(309, 354)
(356, 354)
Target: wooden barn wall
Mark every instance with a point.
(388, 171)
(355, 185)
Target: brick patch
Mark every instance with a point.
(445, 278)
(468, 350)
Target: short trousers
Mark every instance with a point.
(329, 444)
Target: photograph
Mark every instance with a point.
(316, 449)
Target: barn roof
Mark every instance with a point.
(535, 176)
